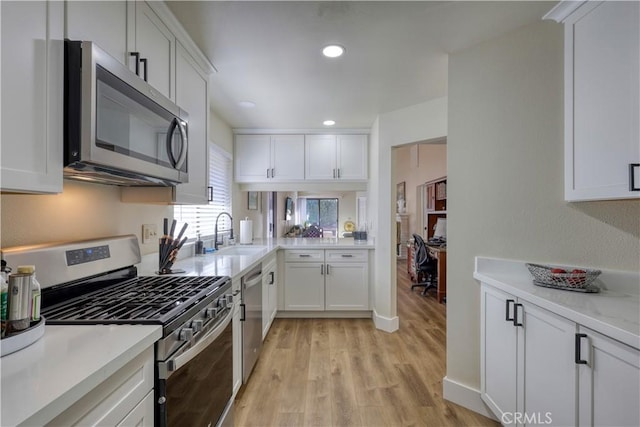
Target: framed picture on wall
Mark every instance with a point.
(253, 201)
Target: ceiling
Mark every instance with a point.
(396, 55)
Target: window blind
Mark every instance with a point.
(202, 218)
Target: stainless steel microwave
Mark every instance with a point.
(118, 129)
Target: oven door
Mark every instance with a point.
(198, 383)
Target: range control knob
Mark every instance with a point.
(197, 325)
(186, 334)
(212, 312)
(229, 298)
(222, 302)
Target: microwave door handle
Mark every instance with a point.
(185, 144)
(172, 129)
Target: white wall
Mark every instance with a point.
(81, 211)
(422, 122)
(505, 180)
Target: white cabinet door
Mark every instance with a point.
(498, 351)
(304, 286)
(602, 101)
(287, 157)
(102, 22)
(237, 349)
(32, 96)
(320, 157)
(156, 44)
(192, 96)
(609, 382)
(269, 296)
(546, 366)
(141, 415)
(252, 158)
(352, 157)
(347, 286)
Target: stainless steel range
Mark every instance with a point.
(96, 282)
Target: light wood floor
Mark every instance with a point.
(344, 372)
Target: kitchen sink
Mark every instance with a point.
(241, 250)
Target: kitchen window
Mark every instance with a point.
(320, 212)
(202, 218)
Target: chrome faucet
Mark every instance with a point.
(215, 236)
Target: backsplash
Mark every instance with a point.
(81, 211)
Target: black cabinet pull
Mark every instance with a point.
(273, 278)
(506, 316)
(633, 185)
(242, 314)
(144, 62)
(515, 315)
(210, 199)
(137, 56)
(578, 356)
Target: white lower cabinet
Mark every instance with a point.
(608, 381)
(326, 280)
(125, 398)
(540, 368)
(237, 344)
(269, 294)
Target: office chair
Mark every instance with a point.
(426, 266)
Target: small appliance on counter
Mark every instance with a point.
(246, 231)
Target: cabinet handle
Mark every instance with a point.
(515, 315)
(338, 172)
(273, 277)
(268, 173)
(322, 269)
(210, 198)
(506, 317)
(273, 172)
(304, 256)
(334, 173)
(578, 356)
(144, 63)
(346, 256)
(633, 185)
(242, 313)
(137, 56)
(328, 269)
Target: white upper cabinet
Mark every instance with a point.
(192, 96)
(102, 22)
(155, 44)
(266, 158)
(602, 99)
(331, 157)
(32, 96)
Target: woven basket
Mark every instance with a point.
(542, 273)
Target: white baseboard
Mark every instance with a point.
(387, 324)
(324, 314)
(465, 396)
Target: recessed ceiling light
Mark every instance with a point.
(329, 122)
(332, 51)
(247, 104)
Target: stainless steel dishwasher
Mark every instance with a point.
(251, 317)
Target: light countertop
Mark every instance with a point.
(614, 311)
(222, 263)
(40, 381)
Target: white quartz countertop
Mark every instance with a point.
(614, 311)
(40, 381)
(227, 263)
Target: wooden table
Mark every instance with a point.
(441, 255)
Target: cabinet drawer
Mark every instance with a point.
(304, 255)
(355, 255)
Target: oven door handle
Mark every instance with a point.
(181, 360)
